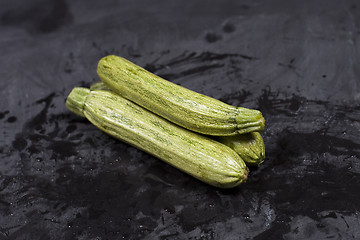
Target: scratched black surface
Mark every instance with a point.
(296, 61)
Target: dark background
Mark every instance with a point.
(296, 61)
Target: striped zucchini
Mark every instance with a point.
(182, 106)
(249, 146)
(197, 155)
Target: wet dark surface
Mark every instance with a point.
(296, 61)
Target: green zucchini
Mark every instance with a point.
(202, 157)
(99, 86)
(249, 146)
(179, 105)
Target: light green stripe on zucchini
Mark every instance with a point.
(197, 155)
(180, 105)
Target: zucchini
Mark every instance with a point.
(99, 86)
(249, 146)
(202, 157)
(179, 105)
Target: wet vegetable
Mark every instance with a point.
(195, 154)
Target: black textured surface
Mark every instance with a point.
(296, 61)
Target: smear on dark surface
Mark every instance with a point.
(3, 114)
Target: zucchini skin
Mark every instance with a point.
(249, 146)
(201, 157)
(177, 104)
